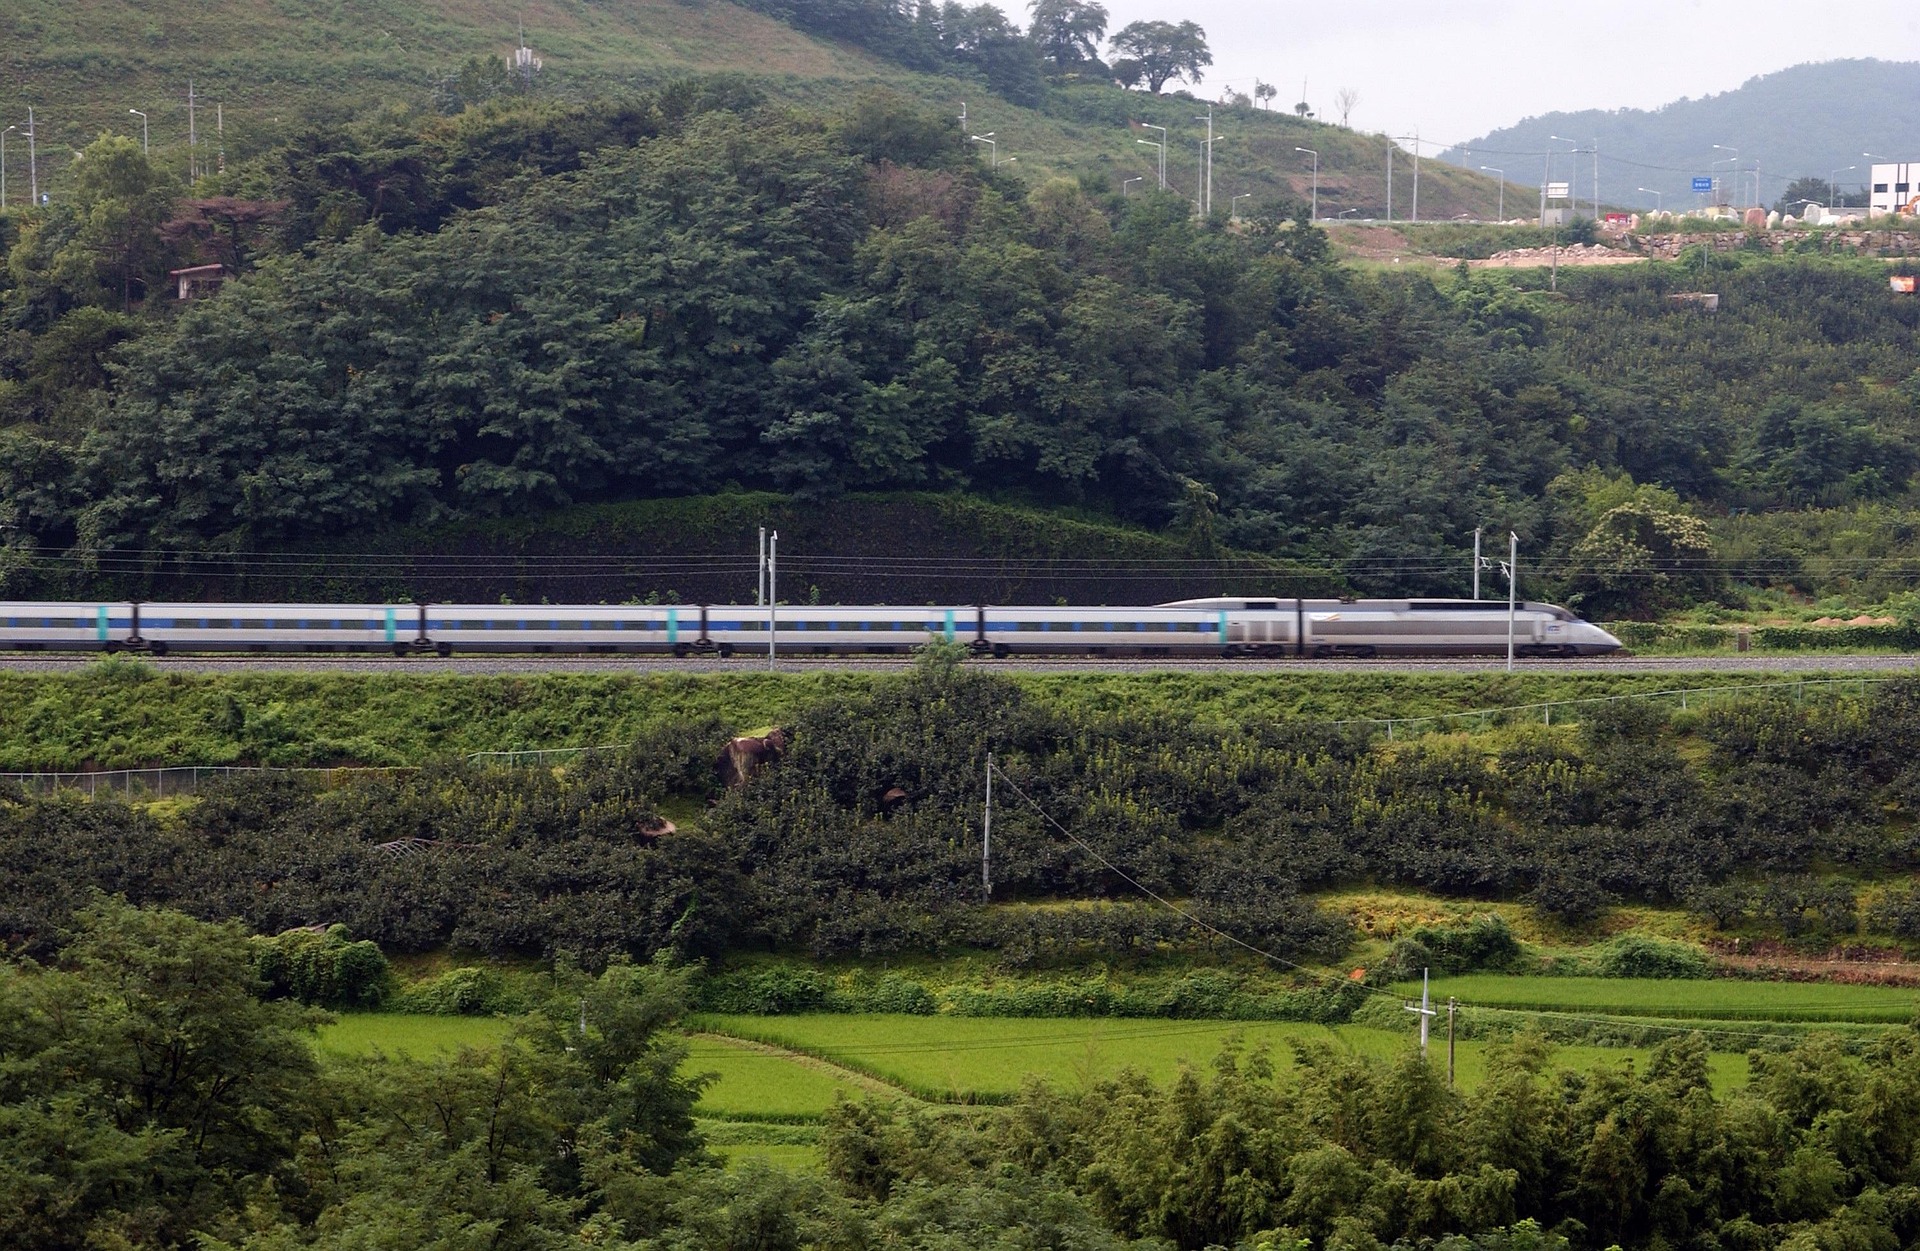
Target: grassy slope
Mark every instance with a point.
(83, 63)
(128, 714)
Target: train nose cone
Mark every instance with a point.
(1597, 641)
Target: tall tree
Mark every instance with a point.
(1068, 32)
(1159, 52)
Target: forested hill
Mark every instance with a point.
(674, 293)
(264, 73)
(1798, 122)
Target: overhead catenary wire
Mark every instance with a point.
(1614, 1022)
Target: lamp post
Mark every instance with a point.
(143, 129)
(3, 164)
(1344, 212)
(1721, 147)
(1413, 213)
(1162, 145)
(1315, 213)
(33, 160)
(1232, 213)
(1128, 182)
(1659, 200)
(1502, 214)
(1833, 175)
(1206, 204)
(1573, 178)
(993, 148)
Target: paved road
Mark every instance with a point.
(1813, 662)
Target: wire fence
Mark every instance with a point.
(159, 783)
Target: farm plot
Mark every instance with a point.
(1715, 999)
(407, 1034)
(986, 1060)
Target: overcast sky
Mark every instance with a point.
(1456, 69)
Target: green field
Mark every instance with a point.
(1714, 1000)
(981, 1059)
(399, 1033)
(752, 1084)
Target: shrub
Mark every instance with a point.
(324, 968)
(465, 992)
(1637, 955)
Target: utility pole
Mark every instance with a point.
(1390, 146)
(1596, 178)
(33, 160)
(1452, 1005)
(1416, 175)
(986, 839)
(760, 585)
(193, 138)
(1425, 1009)
(220, 129)
(1206, 204)
(773, 596)
(1476, 562)
(1546, 176)
(1513, 583)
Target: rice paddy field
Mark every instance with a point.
(772, 1079)
(1717, 999)
(987, 1059)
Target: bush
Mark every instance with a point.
(465, 992)
(323, 968)
(1636, 955)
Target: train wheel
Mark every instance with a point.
(113, 648)
(725, 650)
(157, 648)
(443, 650)
(682, 650)
(1001, 651)
(399, 649)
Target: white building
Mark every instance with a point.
(1895, 188)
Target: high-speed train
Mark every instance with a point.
(1194, 627)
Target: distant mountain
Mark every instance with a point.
(1805, 121)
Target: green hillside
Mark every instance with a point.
(1807, 121)
(273, 67)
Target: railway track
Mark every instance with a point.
(496, 664)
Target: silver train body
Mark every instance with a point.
(1199, 627)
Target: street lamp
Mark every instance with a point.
(1232, 200)
(143, 129)
(993, 148)
(1128, 182)
(1502, 214)
(1831, 176)
(1659, 200)
(1573, 179)
(3, 164)
(1344, 212)
(1735, 158)
(1162, 145)
(1316, 181)
(1206, 203)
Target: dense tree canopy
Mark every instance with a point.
(535, 304)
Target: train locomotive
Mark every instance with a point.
(1227, 626)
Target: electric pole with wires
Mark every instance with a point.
(1425, 1009)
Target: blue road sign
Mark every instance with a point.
(1703, 184)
